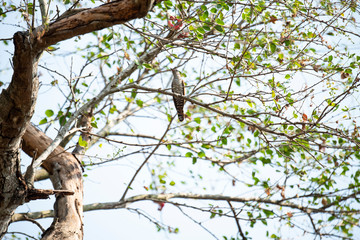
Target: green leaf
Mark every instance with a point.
(197, 120)
(213, 128)
(203, 7)
(43, 121)
(148, 66)
(206, 146)
(199, 36)
(219, 28)
(268, 213)
(168, 3)
(200, 30)
(82, 143)
(188, 154)
(172, 183)
(49, 113)
(203, 16)
(272, 47)
(250, 111)
(201, 154)
(133, 93)
(206, 28)
(112, 109)
(265, 160)
(220, 22)
(139, 103)
(269, 151)
(62, 120)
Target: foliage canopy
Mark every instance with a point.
(272, 108)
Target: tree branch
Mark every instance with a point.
(237, 221)
(44, 9)
(165, 197)
(89, 20)
(146, 160)
(66, 176)
(108, 89)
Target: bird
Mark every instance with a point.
(177, 86)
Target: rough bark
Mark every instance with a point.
(17, 107)
(90, 20)
(65, 174)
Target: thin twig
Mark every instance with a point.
(197, 222)
(34, 222)
(237, 221)
(33, 17)
(44, 9)
(146, 160)
(27, 235)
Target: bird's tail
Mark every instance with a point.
(181, 116)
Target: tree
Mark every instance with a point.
(270, 136)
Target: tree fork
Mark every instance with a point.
(65, 174)
(18, 103)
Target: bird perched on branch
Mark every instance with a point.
(177, 86)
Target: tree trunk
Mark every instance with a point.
(17, 107)
(65, 174)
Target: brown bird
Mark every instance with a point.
(177, 86)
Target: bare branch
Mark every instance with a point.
(237, 221)
(165, 197)
(146, 160)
